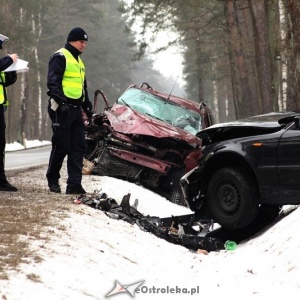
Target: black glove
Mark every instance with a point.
(65, 109)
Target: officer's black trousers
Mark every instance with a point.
(2, 144)
(67, 140)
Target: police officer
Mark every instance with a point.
(6, 79)
(68, 97)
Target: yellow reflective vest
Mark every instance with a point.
(2, 87)
(74, 75)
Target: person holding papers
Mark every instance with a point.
(6, 79)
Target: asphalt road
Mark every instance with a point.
(27, 158)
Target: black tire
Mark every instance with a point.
(269, 212)
(232, 198)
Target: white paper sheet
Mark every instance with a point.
(20, 66)
(3, 38)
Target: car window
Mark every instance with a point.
(161, 109)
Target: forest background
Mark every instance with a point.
(242, 57)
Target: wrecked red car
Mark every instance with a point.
(147, 137)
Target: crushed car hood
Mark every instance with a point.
(127, 121)
(256, 125)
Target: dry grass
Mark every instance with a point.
(26, 216)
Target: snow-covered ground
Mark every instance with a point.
(28, 144)
(94, 253)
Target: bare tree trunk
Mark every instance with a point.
(215, 97)
(37, 29)
(222, 100)
(243, 103)
(23, 110)
(281, 55)
(273, 19)
(199, 67)
(247, 41)
(262, 53)
(293, 41)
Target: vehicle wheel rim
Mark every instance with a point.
(228, 198)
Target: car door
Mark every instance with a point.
(288, 164)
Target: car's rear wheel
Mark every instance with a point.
(232, 198)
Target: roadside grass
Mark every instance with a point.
(26, 216)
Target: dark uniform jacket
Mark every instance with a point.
(10, 77)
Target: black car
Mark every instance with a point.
(248, 166)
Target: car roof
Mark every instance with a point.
(190, 104)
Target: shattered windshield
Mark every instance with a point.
(161, 109)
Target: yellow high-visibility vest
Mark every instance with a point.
(2, 80)
(74, 75)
